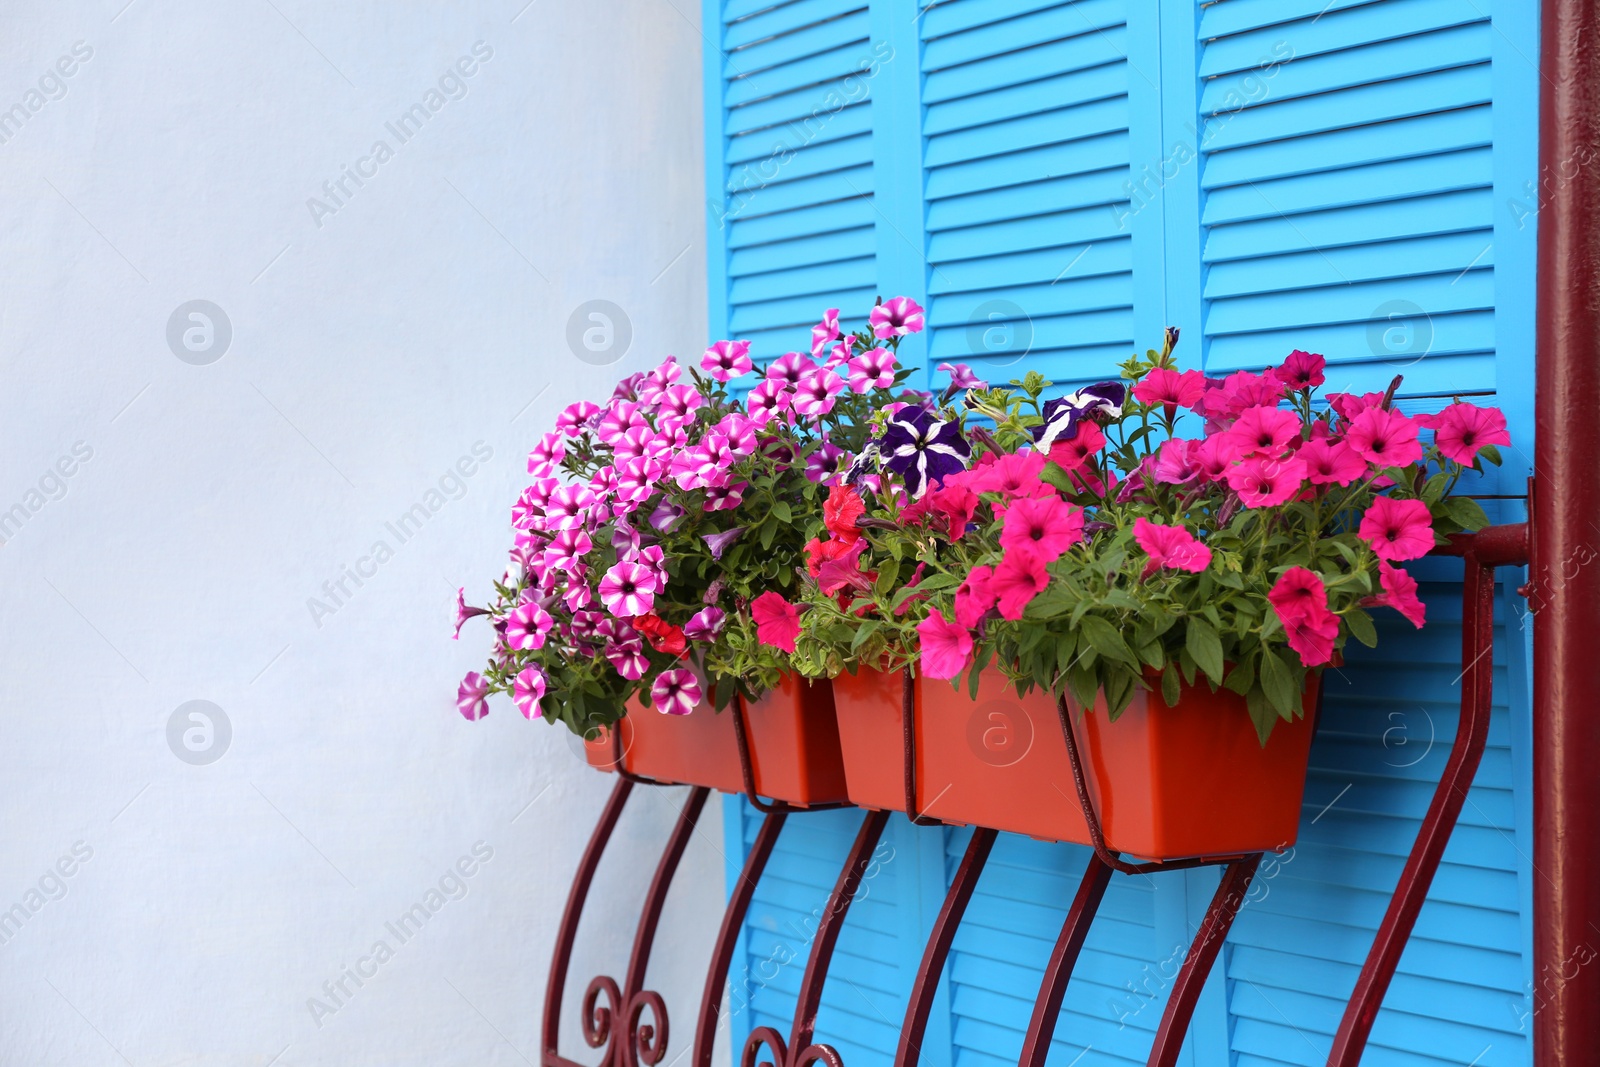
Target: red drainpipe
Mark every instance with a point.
(1565, 577)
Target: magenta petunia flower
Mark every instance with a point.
(1461, 430)
(814, 394)
(1261, 430)
(1301, 603)
(1302, 370)
(528, 690)
(1045, 526)
(676, 692)
(547, 455)
(570, 507)
(1384, 437)
(1019, 578)
(1015, 474)
(472, 698)
(1172, 547)
(705, 624)
(1349, 405)
(1177, 463)
(627, 658)
(678, 404)
(945, 647)
(566, 547)
(841, 353)
(527, 626)
(825, 331)
(1399, 593)
(873, 369)
(826, 463)
(976, 596)
(725, 497)
(578, 596)
(961, 377)
(636, 479)
(769, 398)
(740, 433)
(1397, 529)
(576, 418)
(464, 612)
(727, 360)
(628, 589)
(1163, 385)
(619, 417)
(896, 317)
(789, 368)
(655, 383)
(777, 621)
(1264, 482)
(1331, 462)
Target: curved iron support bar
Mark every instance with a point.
(567, 932)
(939, 942)
(1224, 908)
(799, 1051)
(747, 771)
(908, 729)
(1063, 958)
(705, 1034)
(1482, 552)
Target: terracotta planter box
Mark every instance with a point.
(1167, 782)
(794, 746)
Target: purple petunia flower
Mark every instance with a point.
(472, 698)
(675, 692)
(922, 450)
(896, 317)
(1061, 416)
(665, 516)
(718, 542)
(705, 624)
(725, 497)
(863, 466)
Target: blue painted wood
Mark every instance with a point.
(1055, 180)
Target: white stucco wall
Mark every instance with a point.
(418, 318)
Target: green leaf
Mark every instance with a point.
(1261, 714)
(1083, 685)
(1066, 649)
(1205, 646)
(888, 575)
(1361, 627)
(1467, 513)
(1490, 453)
(780, 509)
(1054, 474)
(864, 631)
(1119, 689)
(1277, 681)
(1171, 686)
(1242, 678)
(1105, 639)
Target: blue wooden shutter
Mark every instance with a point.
(1357, 160)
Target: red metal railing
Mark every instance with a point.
(619, 1024)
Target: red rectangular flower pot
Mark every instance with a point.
(872, 737)
(1168, 783)
(794, 746)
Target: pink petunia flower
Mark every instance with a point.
(527, 626)
(1350, 405)
(655, 382)
(961, 377)
(1384, 437)
(620, 416)
(769, 399)
(727, 360)
(1301, 602)
(946, 647)
(1177, 463)
(896, 317)
(789, 368)
(570, 507)
(1015, 474)
(464, 612)
(815, 393)
(627, 658)
(1043, 526)
(1211, 458)
(777, 621)
(1173, 547)
(576, 418)
(1263, 482)
(873, 369)
(676, 692)
(1019, 578)
(1331, 462)
(1302, 370)
(547, 455)
(825, 331)
(725, 497)
(1072, 454)
(1397, 529)
(472, 697)
(1163, 385)
(1262, 430)
(677, 406)
(975, 596)
(1399, 593)
(528, 690)
(1461, 430)
(740, 433)
(628, 589)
